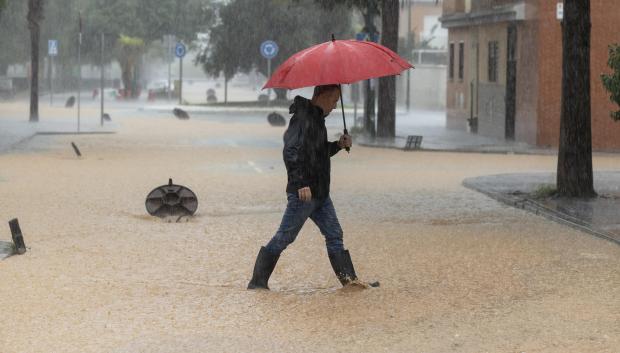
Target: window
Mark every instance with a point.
(493, 59)
(461, 59)
(451, 64)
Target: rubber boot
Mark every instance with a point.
(343, 266)
(265, 263)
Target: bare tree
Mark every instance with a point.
(386, 119)
(35, 16)
(574, 177)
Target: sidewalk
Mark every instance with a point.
(16, 130)
(443, 139)
(598, 216)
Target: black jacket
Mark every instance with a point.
(306, 149)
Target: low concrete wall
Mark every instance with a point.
(427, 87)
(492, 114)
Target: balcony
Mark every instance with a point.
(483, 12)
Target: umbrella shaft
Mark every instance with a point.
(342, 106)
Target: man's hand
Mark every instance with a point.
(345, 141)
(305, 194)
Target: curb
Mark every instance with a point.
(536, 208)
(27, 139)
(462, 150)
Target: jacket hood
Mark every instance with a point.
(301, 104)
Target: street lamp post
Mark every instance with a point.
(407, 99)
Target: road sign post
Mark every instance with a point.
(179, 51)
(52, 51)
(79, 72)
(102, 75)
(269, 50)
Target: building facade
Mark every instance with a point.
(505, 69)
(423, 42)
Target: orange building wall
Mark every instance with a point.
(605, 18)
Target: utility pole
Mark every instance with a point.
(181, 80)
(49, 73)
(407, 100)
(102, 74)
(79, 72)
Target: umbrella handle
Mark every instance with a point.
(347, 148)
(343, 119)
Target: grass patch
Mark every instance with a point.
(544, 191)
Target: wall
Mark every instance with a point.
(457, 96)
(605, 30)
(427, 87)
(527, 83)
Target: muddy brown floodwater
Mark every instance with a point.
(459, 272)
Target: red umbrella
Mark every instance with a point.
(337, 62)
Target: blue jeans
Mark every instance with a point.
(321, 212)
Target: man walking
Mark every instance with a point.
(307, 158)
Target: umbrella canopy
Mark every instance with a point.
(337, 62)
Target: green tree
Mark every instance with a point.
(370, 10)
(295, 25)
(144, 20)
(130, 50)
(35, 16)
(574, 172)
(612, 81)
(15, 35)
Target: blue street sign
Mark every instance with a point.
(52, 47)
(269, 49)
(180, 50)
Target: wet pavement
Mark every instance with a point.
(459, 271)
(16, 131)
(599, 216)
(6, 249)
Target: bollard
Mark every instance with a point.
(76, 149)
(276, 119)
(18, 238)
(70, 102)
(180, 113)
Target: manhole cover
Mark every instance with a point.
(171, 200)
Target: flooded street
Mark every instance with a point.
(459, 272)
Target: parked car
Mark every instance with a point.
(159, 90)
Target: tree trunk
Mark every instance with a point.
(225, 90)
(369, 90)
(35, 15)
(369, 109)
(386, 119)
(574, 177)
(126, 78)
(280, 94)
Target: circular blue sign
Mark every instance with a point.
(179, 50)
(269, 49)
